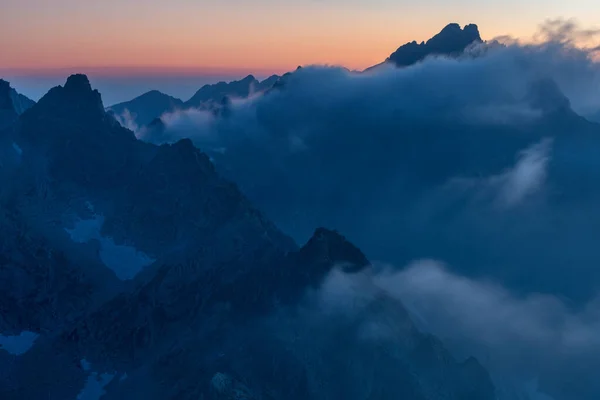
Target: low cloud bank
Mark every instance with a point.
(534, 345)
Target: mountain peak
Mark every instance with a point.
(75, 98)
(450, 41)
(451, 27)
(78, 83)
(453, 39)
(473, 30)
(330, 247)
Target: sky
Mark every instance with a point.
(215, 39)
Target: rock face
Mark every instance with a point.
(451, 41)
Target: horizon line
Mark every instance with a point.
(141, 71)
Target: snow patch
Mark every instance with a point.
(95, 383)
(125, 261)
(18, 344)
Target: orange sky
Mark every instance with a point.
(259, 35)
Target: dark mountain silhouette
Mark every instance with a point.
(145, 108)
(450, 41)
(209, 94)
(225, 302)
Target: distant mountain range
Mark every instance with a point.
(142, 110)
(145, 108)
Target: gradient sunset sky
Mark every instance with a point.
(233, 37)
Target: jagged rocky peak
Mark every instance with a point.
(330, 247)
(450, 41)
(76, 97)
(452, 38)
(78, 83)
(473, 30)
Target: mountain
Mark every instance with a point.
(145, 274)
(215, 92)
(141, 112)
(145, 108)
(83, 181)
(191, 332)
(450, 41)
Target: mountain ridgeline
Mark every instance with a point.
(143, 110)
(140, 268)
